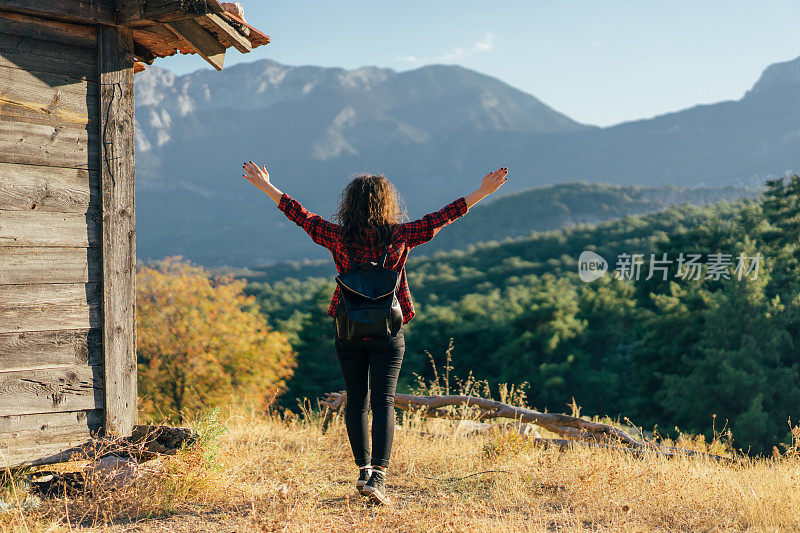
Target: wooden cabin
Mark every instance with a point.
(67, 232)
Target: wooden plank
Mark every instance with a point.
(52, 317)
(37, 144)
(46, 349)
(49, 390)
(92, 419)
(41, 56)
(115, 48)
(28, 440)
(86, 11)
(39, 264)
(45, 294)
(35, 449)
(201, 40)
(48, 30)
(49, 189)
(229, 33)
(34, 228)
(49, 99)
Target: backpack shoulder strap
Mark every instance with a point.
(383, 257)
(350, 257)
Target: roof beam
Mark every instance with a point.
(200, 40)
(104, 12)
(85, 11)
(129, 11)
(237, 39)
(142, 53)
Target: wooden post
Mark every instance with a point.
(115, 49)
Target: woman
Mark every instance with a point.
(369, 219)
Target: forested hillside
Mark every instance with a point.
(685, 352)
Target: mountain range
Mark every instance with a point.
(433, 131)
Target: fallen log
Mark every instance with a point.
(486, 409)
(459, 407)
(563, 444)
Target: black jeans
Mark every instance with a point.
(378, 359)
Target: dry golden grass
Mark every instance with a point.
(269, 474)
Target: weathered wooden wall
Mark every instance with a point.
(51, 235)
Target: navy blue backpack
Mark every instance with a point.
(368, 304)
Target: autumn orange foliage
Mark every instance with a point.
(201, 342)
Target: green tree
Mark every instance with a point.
(737, 369)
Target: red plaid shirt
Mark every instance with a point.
(409, 235)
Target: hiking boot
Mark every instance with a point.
(375, 488)
(363, 476)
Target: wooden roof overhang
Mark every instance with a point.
(160, 28)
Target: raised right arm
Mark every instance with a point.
(424, 229)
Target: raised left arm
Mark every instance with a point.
(260, 178)
(320, 230)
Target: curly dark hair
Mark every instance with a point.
(369, 206)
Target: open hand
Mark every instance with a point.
(493, 180)
(255, 175)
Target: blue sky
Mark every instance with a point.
(600, 62)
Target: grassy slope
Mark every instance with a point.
(275, 475)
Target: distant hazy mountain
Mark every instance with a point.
(315, 127)
(434, 131)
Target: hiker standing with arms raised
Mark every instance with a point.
(370, 245)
